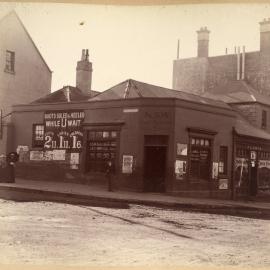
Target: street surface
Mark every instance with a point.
(62, 234)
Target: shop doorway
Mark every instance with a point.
(155, 155)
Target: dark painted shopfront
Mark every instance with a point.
(159, 140)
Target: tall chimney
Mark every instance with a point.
(84, 73)
(203, 42)
(265, 36)
(238, 75)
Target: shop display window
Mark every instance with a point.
(200, 158)
(101, 147)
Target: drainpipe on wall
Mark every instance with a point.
(232, 168)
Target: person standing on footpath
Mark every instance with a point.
(109, 172)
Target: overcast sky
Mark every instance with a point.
(137, 42)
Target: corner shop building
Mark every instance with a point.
(160, 140)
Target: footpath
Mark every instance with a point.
(94, 195)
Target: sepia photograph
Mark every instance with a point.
(134, 134)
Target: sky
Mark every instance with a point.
(133, 42)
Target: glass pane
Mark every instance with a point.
(113, 134)
(106, 134)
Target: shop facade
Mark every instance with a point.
(156, 144)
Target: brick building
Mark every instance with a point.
(242, 81)
(24, 74)
(204, 73)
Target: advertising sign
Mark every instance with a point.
(223, 184)
(181, 149)
(127, 164)
(36, 155)
(215, 170)
(63, 130)
(180, 169)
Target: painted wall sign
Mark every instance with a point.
(36, 155)
(180, 169)
(253, 155)
(131, 110)
(63, 130)
(181, 149)
(223, 184)
(127, 164)
(264, 164)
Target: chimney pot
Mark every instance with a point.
(84, 73)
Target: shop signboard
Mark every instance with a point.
(63, 130)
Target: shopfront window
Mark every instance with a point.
(200, 158)
(101, 147)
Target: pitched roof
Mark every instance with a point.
(15, 15)
(66, 94)
(134, 89)
(243, 127)
(237, 92)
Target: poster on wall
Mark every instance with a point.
(36, 155)
(63, 130)
(127, 164)
(23, 152)
(264, 164)
(180, 169)
(181, 149)
(48, 155)
(59, 154)
(215, 170)
(223, 184)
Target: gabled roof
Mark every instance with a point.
(237, 91)
(243, 127)
(14, 14)
(134, 89)
(66, 94)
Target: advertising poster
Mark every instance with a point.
(74, 158)
(48, 155)
(215, 170)
(23, 152)
(181, 149)
(59, 154)
(63, 130)
(127, 164)
(36, 155)
(223, 184)
(180, 169)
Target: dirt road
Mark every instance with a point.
(62, 234)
